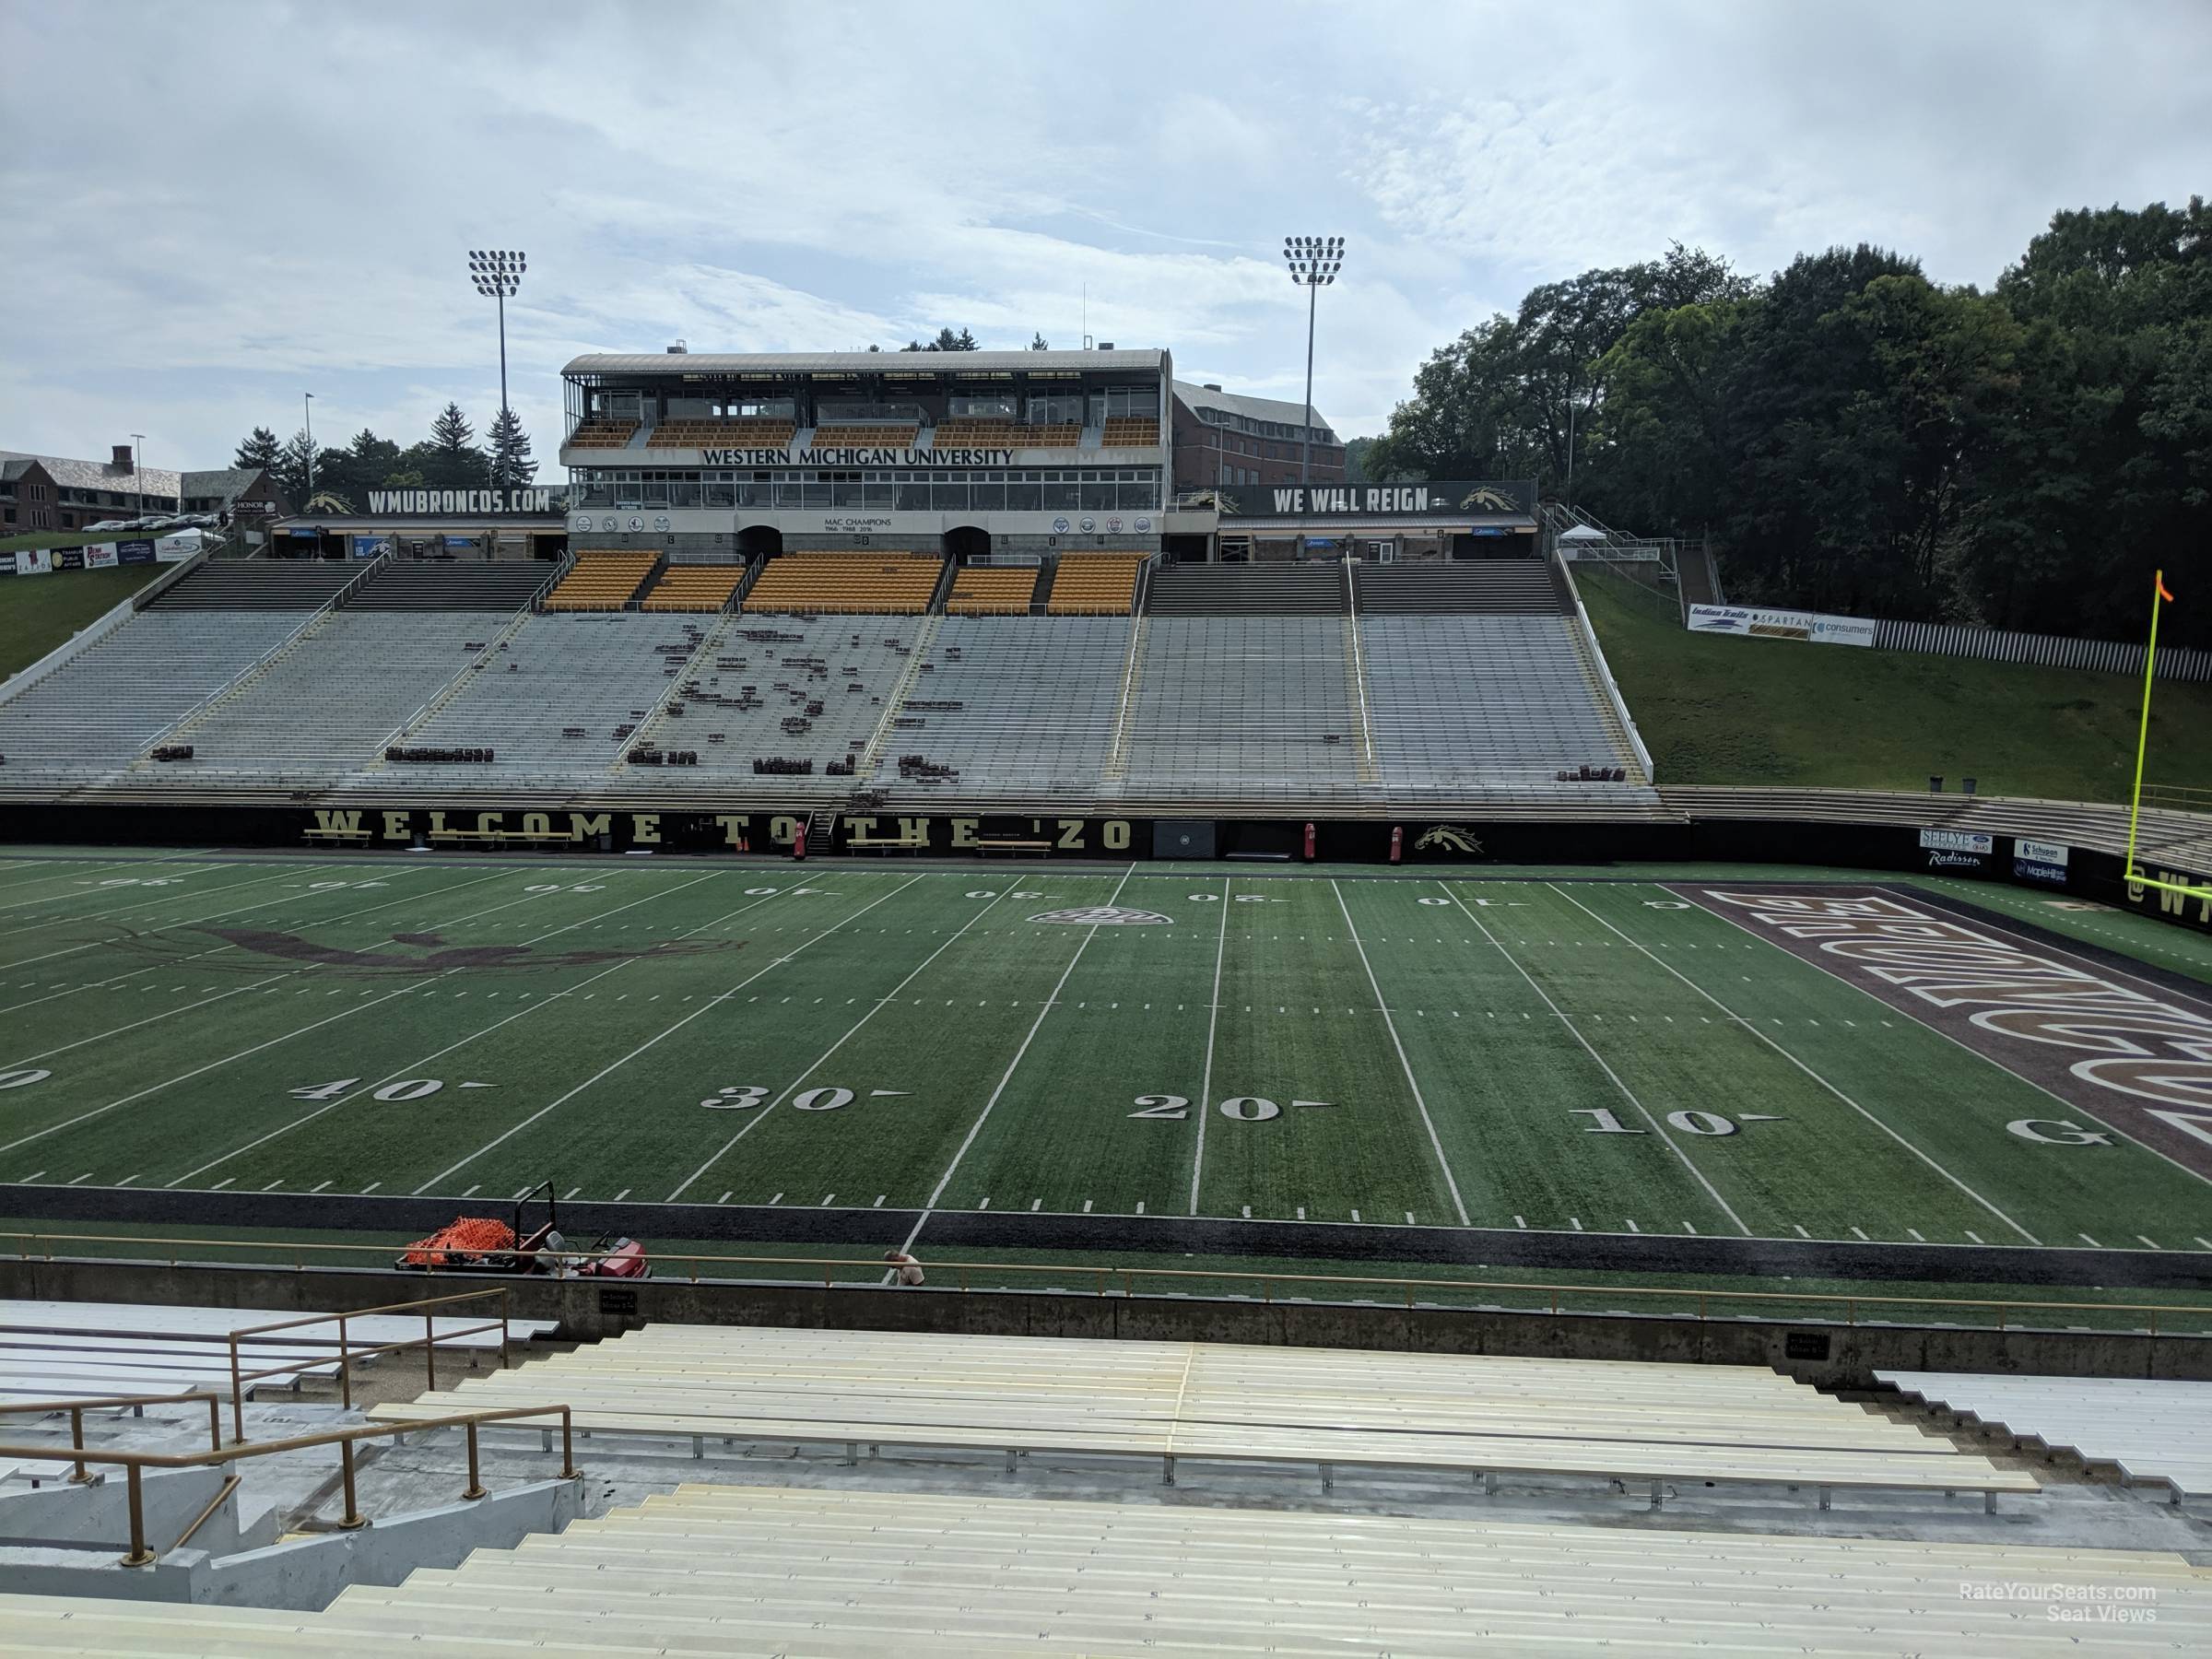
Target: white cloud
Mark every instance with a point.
(786, 176)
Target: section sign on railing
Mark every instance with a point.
(1752, 621)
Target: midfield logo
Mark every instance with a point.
(1104, 915)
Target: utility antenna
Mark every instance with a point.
(1087, 316)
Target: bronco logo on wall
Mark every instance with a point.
(1450, 837)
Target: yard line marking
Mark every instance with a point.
(1973, 1235)
(1916, 1237)
(1627, 1093)
(127, 1180)
(1517, 1221)
(726, 1197)
(1087, 1207)
(1206, 1085)
(472, 1192)
(86, 1176)
(1420, 1105)
(221, 1184)
(2152, 1243)
(17, 906)
(1808, 1071)
(406, 1070)
(319, 1187)
(621, 1196)
(1803, 1234)
(1689, 1227)
(976, 1128)
(1862, 1234)
(2090, 1241)
(823, 1058)
(711, 1004)
(1355, 1215)
(370, 1188)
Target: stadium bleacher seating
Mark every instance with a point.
(1230, 705)
(1212, 1402)
(693, 587)
(105, 706)
(1526, 587)
(991, 591)
(1131, 432)
(328, 702)
(1095, 584)
(713, 1569)
(602, 579)
(1246, 590)
(452, 585)
(559, 696)
(2150, 1431)
(809, 689)
(889, 583)
(1004, 434)
(743, 433)
(892, 434)
(1013, 706)
(602, 434)
(1461, 703)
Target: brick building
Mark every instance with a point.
(1224, 438)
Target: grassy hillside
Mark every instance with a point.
(1715, 709)
(37, 613)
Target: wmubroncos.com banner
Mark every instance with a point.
(1753, 622)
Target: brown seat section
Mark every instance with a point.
(894, 583)
(713, 434)
(1094, 584)
(892, 436)
(1004, 434)
(602, 579)
(602, 434)
(1132, 432)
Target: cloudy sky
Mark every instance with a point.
(213, 206)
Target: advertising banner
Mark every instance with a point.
(1439, 497)
(1754, 622)
(135, 552)
(69, 558)
(462, 544)
(372, 546)
(1957, 849)
(176, 549)
(34, 562)
(101, 556)
(2040, 861)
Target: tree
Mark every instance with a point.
(373, 458)
(450, 431)
(258, 453)
(1039, 343)
(511, 467)
(290, 468)
(451, 459)
(946, 341)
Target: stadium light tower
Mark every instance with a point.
(307, 409)
(498, 272)
(1314, 262)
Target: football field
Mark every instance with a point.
(1686, 1056)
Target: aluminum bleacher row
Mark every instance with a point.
(1011, 706)
(1183, 1402)
(2155, 1431)
(843, 1574)
(1239, 682)
(711, 434)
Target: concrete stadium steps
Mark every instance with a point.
(447, 585)
(1523, 587)
(1216, 1402)
(771, 1572)
(1246, 590)
(258, 584)
(1261, 702)
(2156, 1431)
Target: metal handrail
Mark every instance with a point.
(134, 1461)
(421, 1304)
(77, 1408)
(1127, 1277)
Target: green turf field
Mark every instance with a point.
(1511, 1053)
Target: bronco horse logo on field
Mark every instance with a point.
(1448, 835)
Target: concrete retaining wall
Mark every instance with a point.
(1828, 1355)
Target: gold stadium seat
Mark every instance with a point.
(1094, 584)
(697, 587)
(889, 436)
(1132, 432)
(993, 590)
(602, 579)
(602, 434)
(894, 584)
(713, 434)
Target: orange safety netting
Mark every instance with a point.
(471, 1235)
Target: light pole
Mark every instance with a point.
(307, 409)
(1314, 262)
(498, 272)
(138, 470)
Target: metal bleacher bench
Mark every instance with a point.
(1220, 1403)
(1009, 844)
